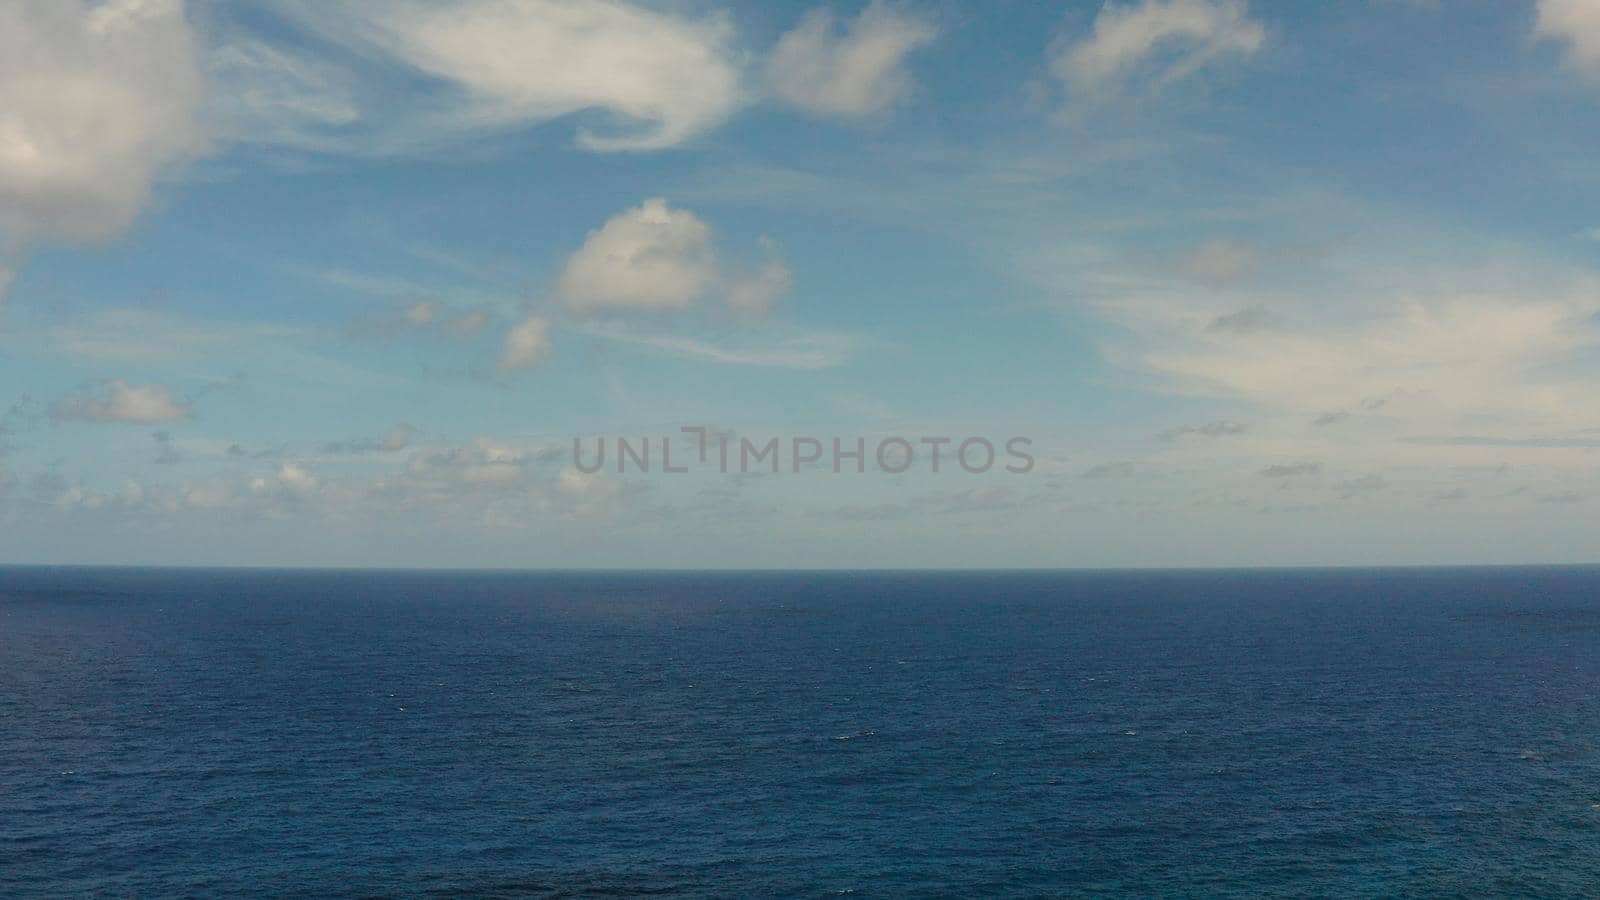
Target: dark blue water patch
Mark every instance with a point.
(1367, 733)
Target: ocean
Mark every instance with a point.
(1217, 733)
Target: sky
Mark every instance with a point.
(1220, 283)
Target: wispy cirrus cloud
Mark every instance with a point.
(853, 73)
(656, 78)
(146, 336)
(803, 351)
(1136, 48)
(1217, 429)
(1454, 351)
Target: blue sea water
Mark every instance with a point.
(1300, 733)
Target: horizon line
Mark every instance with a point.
(602, 570)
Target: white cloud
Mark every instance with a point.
(851, 75)
(663, 78)
(297, 478)
(650, 257)
(269, 95)
(482, 462)
(145, 336)
(813, 351)
(119, 401)
(586, 494)
(425, 317)
(1154, 42)
(1575, 23)
(1440, 356)
(527, 346)
(486, 485)
(654, 257)
(575, 482)
(1347, 346)
(208, 496)
(752, 296)
(96, 102)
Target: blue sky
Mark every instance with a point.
(339, 283)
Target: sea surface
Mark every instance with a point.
(1292, 733)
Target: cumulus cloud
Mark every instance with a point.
(500, 65)
(496, 481)
(119, 401)
(655, 257)
(297, 479)
(752, 296)
(854, 74)
(488, 483)
(1154, 43)
(482, 462)
(1575, 23)
(97, 100)
(586, 493)
(649, 257)
(527, 345)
